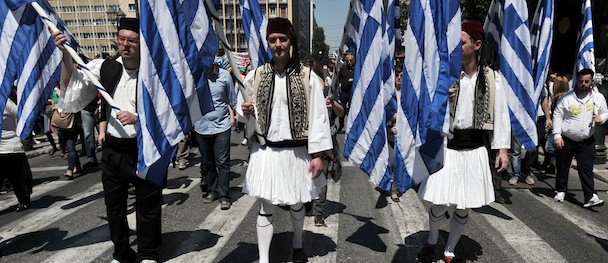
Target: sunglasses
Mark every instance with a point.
(282, 39)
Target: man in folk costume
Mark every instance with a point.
(479, 119)
(289, 107)
(118, 135)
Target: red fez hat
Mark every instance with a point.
(474, 29)
(280, 25)
(129, 23)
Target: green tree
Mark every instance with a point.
(319, 48)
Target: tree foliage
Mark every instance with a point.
(319, 48)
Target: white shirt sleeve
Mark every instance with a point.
(80, 90)
(319, 133)
(501, 137)
(602, 110)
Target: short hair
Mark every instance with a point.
(585, 71)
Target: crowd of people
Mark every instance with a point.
(299, 110)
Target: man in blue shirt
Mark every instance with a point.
(213, 137)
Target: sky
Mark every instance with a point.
(331, 15)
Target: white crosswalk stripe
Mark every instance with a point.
(505, 233)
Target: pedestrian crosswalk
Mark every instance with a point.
(67, 224)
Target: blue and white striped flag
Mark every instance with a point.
(40, 69)
(366, 143)
(508, 32)
(541, 32)
(254, 24)
(431, 66)
(352, 27)
(585, 55)
(172, 90)
(29, 58)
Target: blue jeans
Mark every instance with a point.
(88, 128)
(215, 166)
(70, 138)
(520, 167)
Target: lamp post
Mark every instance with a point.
(114, 15)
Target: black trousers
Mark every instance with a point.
(17, 170)
(585, 155)
(118, 164)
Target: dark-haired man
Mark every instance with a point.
(118, 135)
(574, 119)
(290, 110)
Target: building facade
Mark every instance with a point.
(93, 22)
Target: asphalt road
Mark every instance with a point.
(67, 222)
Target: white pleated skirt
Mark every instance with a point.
(464, 181)
(280, 175)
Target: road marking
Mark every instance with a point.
(222, 223)
(49, 168)
(83, 251)
(573, 214)
(529, 246)
(332, 221)
(9, 199)
(41, 218)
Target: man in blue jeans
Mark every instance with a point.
(520, 167)
(213, 137)
(88, 128)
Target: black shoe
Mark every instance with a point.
(224, 205)
(22, 207)
(299, 256)
(53, 152)
(204, 188)
(131, 190)
(427, 254)
(90, 165)
(319, 220)
(549, 170)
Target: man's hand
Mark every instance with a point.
(452, 92)
(548, 124)
(559, 143)
(316, 166)
(59, 38)
(597, 119)
(248, 108)
(126, 118)
(502, 160)
(101, 138)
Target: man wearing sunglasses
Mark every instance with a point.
(289, 107)
(118, 135)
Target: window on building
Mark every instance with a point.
(99, 8)
(70, 22)
(85, 22)
(272, 12)
(132, 7)
(87, 35)
(84, 8)
(68, 9)
(99, 22)
(283, 12)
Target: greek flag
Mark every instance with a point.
(431, 66)
(352, 27)
(585, 57)
(30, 59)
(541, 32)
(254, 24)
(177, 45)
(366, 142)
(40, 69)
(508, 32)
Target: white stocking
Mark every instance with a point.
(459, 220)
(297, 221)
(265, 230)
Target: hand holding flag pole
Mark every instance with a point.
(45, 17)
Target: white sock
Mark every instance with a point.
(459, 220)
(436, 214)
(265, 230)
(297, 214)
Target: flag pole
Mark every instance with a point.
(219, 27)
(45, 18)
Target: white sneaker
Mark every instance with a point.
(513, 180)
(115, 261)
(559, 197)
(148, 261)
(594, 201)
(530, 180)
(244, 142)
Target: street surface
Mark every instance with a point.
(67, 221)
